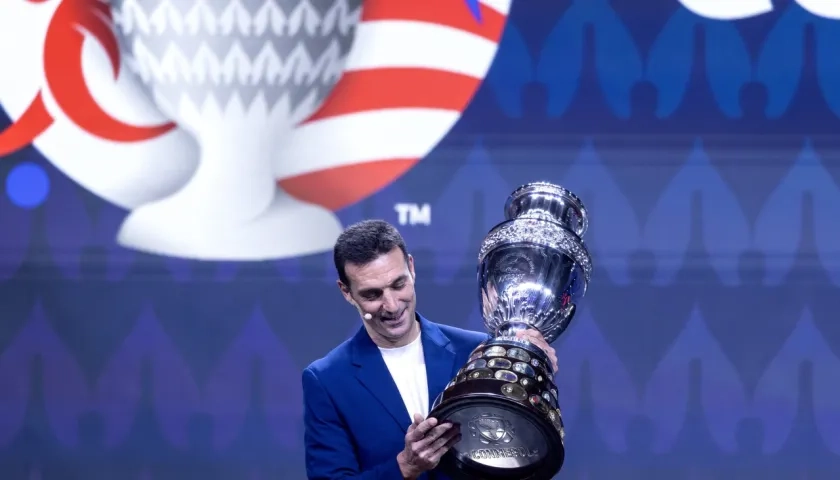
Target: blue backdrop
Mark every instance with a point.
(706, 153)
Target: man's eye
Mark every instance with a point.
(399, 286)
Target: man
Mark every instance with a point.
(366, 401)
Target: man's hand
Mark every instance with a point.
(425, 444)
(535, 337)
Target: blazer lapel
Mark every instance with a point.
(374, 375)
(440, 358)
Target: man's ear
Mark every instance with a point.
(411, 266)
(345, 291)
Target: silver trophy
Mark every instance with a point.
(238, 75)
(533, 270)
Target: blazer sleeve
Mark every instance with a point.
(329, 450)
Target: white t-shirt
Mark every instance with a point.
(408, 368)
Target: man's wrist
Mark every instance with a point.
(408, 472)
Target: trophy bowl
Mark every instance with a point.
(533, 268)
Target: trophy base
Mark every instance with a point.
(500, 440)
(287, 228)
(506, 406)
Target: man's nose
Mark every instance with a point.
(389, 302)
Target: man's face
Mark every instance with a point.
(384, 288)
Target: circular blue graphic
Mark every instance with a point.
(27, 185)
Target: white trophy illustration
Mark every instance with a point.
(238, 75)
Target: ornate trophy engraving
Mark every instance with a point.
(238, 75)
(533, 270)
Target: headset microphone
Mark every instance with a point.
(368, 316)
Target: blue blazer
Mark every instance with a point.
(354, 418)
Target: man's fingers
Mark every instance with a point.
(440, 452)
(539, 341)
(426, 425)
(438, 431)
(417, 419)
(444, 439)
(425, 443)
(433, 452)
(452, 441)
(533, 337)
(542, 346)
(414, 433)
(437, 444)
(553, 357)
(432, 435)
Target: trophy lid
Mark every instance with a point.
(543, 200)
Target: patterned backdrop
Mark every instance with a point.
(706, 153)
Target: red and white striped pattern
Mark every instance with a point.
(414, 67)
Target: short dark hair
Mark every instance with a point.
(363, 242)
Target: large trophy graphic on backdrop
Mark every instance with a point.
(533, 269)
(238, 75)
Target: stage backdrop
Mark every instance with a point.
(702, 137)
